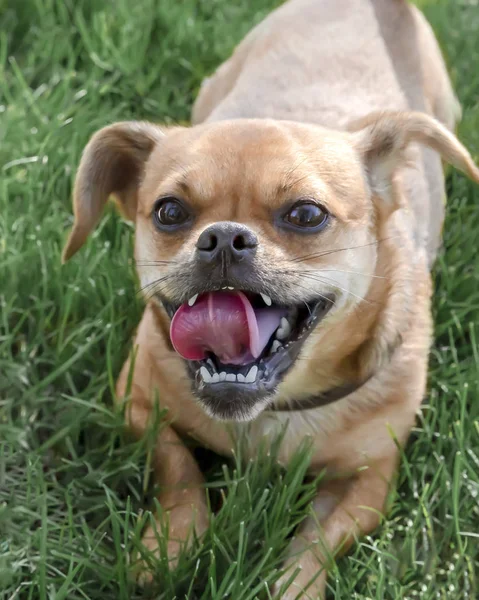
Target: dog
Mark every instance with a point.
(284, 243)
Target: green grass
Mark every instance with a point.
(73, 486)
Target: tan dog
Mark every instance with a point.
(284, 246)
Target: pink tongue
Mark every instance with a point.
(226, 324)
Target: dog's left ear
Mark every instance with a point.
(112, 164)
(382, 140)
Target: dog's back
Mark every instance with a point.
(334, 61)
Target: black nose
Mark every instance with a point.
(225, 240)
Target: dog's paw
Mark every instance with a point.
(164, 540)
(309, 582)
(143, 567)
(296, 591)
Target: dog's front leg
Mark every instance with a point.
(181, 492)
(343, 510)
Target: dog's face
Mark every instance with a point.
(245, 234)
(253, 236)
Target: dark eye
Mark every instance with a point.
(306, 215)
(170, 213)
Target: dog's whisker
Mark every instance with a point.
(307, 306)
(319, 271)
(386, 277)
(159, 285)
(330, 281)
(318, 294)
(298, 181)
(155, 263)
(157, 289)
(154, 283)
(296, 272)
(293, 169)
(327, 252)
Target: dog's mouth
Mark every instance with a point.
(238, 345)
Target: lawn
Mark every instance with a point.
(73, 485)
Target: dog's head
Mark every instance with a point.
(251, 234)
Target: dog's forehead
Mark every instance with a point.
(252, 159)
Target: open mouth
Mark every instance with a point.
(238, 345)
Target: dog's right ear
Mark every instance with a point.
(112, 164)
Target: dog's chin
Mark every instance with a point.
(241, 393)
(228, 403)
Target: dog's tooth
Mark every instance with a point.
(241, 378)
(251, 377)
(230, 377)
(284, 330)
(192, 300)
(215, 378)
(230, 287)
(222, 376)
(275, 346)
(211, 364)
(205, 375)
(266, 299)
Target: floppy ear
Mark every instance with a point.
(382, 140)
(112, 163)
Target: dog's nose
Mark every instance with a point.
(233, 241)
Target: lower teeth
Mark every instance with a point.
(282, 333)
(207, 377)
(275, 346)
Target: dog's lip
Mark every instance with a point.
(171, 306)
(232, 399)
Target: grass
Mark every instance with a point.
(73, 486)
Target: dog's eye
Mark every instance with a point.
(170, 213)
(306, 215)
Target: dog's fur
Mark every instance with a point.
(326, 99)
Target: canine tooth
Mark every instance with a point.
(251, 377)
(284, 329)
(241, 378)
(192, 300)
(266, 299)
(230, 377)
(211, 364)
(215, 378)
(205, 375)
(222, 376)
(275, 346)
